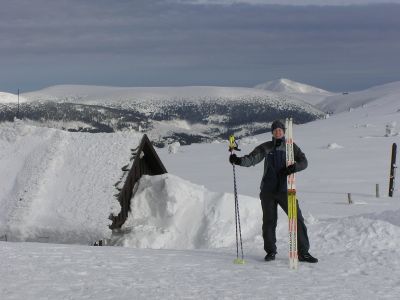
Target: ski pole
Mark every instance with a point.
(234, 146)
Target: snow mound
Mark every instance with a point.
(334, 146)
(172, 213)
(57, 186)
(375, 232)
(174, 147)
(391, 129)
(284, 85)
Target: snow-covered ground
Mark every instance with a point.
(180, 240)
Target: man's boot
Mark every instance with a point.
(270, 256)
(307, 257)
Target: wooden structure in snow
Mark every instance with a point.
(145, 162)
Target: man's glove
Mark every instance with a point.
(233, 159)
(286, 171)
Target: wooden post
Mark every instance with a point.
(392, 170)
(377, 190)
(349, 198)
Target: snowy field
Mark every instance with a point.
(181, 236)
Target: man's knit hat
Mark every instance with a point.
(277, 124)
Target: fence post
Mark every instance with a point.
(349, 198)
(377, 190)
(392, 169)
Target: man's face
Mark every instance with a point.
(278, 133)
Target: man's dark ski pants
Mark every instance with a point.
(269, 202)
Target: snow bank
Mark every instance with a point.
(334, 146)
(170, 212)
(57, 186)
(369, 232)
(174, 147)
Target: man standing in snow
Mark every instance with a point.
(274, 188)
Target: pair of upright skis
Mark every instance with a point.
(292, 201)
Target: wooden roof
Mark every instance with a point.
(146, 162)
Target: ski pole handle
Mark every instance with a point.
(233, 144)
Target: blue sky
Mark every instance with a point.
(198, 42)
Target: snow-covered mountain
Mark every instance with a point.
(284, 85)
(10, 98)
(185, 114)
(125, 96)
(384, 97)
(307, 93)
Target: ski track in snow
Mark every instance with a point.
(37, 167)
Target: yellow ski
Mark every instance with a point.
(292, 201)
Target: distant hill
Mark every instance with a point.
(381, 96)
(85, 94)
(10, 98)
(184, 114)
(301, 91)
(284, 85)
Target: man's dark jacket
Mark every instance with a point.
(274, 152)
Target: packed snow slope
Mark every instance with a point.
(189, 214)
(58, 186)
